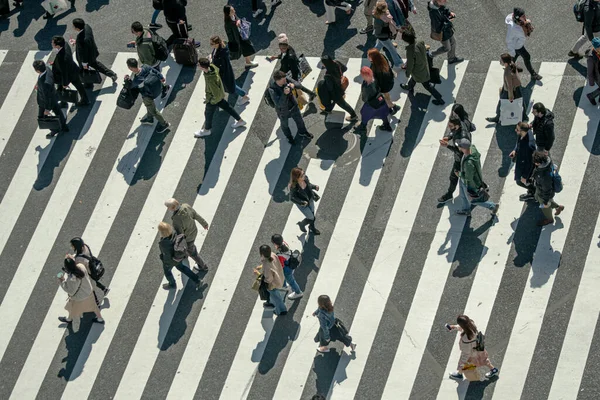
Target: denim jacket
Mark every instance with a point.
(326, 321)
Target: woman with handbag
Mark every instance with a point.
(329, 326)
(332, 88)
(284, 253)
(237, 46)
(302, 193)
(468, 348)
(511, 88)
(273, 276)
(83, 255)
(220, 58)
(76, 282)
(374, 103)
(384, 76)
(385, 30)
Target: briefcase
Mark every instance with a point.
(67, 95)
(50, 122)
(90, 76)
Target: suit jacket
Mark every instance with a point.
(64, 68)
(46, 93)
(85, 45)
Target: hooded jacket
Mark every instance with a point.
(148, 80)
(470, 170)
(440, 20)
(524, 156)
(543, 129)
(542, 178)
(214, 87)
(515, 37)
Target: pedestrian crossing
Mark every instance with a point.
(387, 257)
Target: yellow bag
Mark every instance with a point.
(321, 106)
(470, 372)
(257, 282)
(300, 97)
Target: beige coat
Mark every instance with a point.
(273, 272)
(80, 291)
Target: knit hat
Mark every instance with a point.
(464, 143)
(596, 42)
(282, 38)
(518, 12)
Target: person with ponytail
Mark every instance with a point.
(273, 276)
(384, 76)
(467, 344)
(328, 330)
(522, 156)
(511, 88)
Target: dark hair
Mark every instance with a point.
(378, 60)
(277, 240)
(137, 27)
(39, 65)
(217, 40)
(460, 112)
(59, 41)
(523, 126)
(454, 120)
(77, 244)
(265, 251)
(467, 325)
(540, 157)
(331, 68)
(132, 62)
(507, 59)
(409, 37)
(71, 268)
(539, 107)
(203, 62)
(78, 23)
(279, 75)
(227, 12)
(324, 303)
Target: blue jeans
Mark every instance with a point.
(239, 91)
(183, 269)
(276, 298)
(308, 211)
(396, 59)
(154, 16)
(289, 278)
(490, 205)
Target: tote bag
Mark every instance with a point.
(510, 113)
(54, 6)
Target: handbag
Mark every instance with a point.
(244, 29)
(67, 95)
(305, 67)
(437, 36)
(54, 6)
(257, 282)
(345, 83)
(90, 76)
(127, 97)
(50, 122)
(510, 112)
(316, 197)
(377, 102)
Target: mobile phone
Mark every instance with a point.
(268, 59)
(448, 327)
(131, 45)
(60, 275)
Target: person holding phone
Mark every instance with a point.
(302, 193)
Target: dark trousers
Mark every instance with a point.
(453, 178)
(526, 59)
(210, 110)
(83, 97)
(294, 114)
(58, 112)
(254, 5)
(100, 285)
(428, 86)
(183, 269)
(192, 251)
(530, 188)
(344, 106)
(177, 32)
(98, 66)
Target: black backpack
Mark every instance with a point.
(579, 10)
(480, 341)
(161, 50)
(268, 98)
(95, 265)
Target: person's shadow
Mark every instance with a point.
(338, 33)
(471, 239)
(75, 343)
(316, 7)
(94, 5)
(543, 270)
(43, 36)
(591, 112)
(261, 36)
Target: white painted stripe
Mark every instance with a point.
(528, 323)
(96, 232)
(379, 283)
(3, 55)
(204, 335)
(580, 331)
(498, 242)
(162, 310)
(259, 328)
(49, 336)
(331, 273)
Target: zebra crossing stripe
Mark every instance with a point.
(204, 334)
(528, 323)
(498, 243)
(335, 262)
(161, 312)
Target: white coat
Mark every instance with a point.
(515, 37)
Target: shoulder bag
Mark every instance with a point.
(483, 193)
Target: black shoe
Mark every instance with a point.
(97, 321)
(494, 120)
(446, 197)
(291, 141)
(366, 30)
(302, 225)
(106, 291)
(88, 85)
(312, 96)
(526, 197)
(165, 90)
(168, 286)
(438, 102)
(64, 104)
(394, 109)
(83, 103)
(574, 55)
(404, 86)
(592, 99)
(155, 26)
(147, 119)
(536, 77)
(308, 135)
(48, 15)
(386, 127)
(315, 231)
(160, 128)
(282, 313)
(456, 60)
(51, 134)
(189, 27)
(266, 304)
(64, 320)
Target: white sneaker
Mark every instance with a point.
(257, 12)
(243, 100)
(202, 133)
(294, 295)
(239, 123)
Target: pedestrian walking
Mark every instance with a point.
(46, 97)
(65, 70)
(150, 84)
(470, 348)
(511, 87)
(384, 76)
(170, 258)
(176, 18)
(215, 99)
(87, 51)
(520, 28)
(331, 90)
(543, 127)
(237, 46)
(459, 111)
(522, 156)
(144, 46)
(219, 57)
(385, 29)
(417, 67)
(590, 30)
(593, 70)
(473, 190)
(456, 132)
(331, 5)
(368, 5)
(374, 103)
(75, 281)
(544, 187)
(303, 194)
(158, 7)
(286, 105)
(442, 30)
(283, 251)
(83, 255)
(184, 219)
(330, 328)
(273, 276)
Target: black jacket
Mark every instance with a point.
(543, 129)
(167, 250)
(85, 45)
(524, 156)
(463, 132)
(385, 80)
(440, 20)
(290, 62)
(542, 178)
(46, 93)
(64, 68)
(591, 21)
(283, 103)
(174, 10)
(299, 195)
(220, 58)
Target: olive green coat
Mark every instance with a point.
(416, 62)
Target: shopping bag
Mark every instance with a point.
(470, 372)
(244, 29)
(510, 112)
(305, 67)
(54, 6)
(90, 76)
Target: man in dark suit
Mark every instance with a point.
(66, 71)
(87, 51)
(46, 96)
